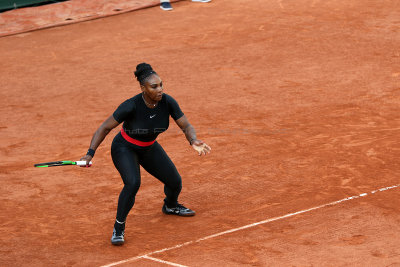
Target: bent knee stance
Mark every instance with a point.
(132, 187)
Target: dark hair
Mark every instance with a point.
(143, 71)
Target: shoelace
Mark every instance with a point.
(122, 233)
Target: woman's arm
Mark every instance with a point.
(98, 137)
(190, 133)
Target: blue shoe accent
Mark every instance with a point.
(166, 6)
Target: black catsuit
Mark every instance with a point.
(144, 124)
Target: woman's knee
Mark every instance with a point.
(132, 187)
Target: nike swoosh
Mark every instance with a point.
(152, 116)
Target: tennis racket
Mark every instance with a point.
(61, 163)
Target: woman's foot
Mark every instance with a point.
(117, 238)
(179, 210)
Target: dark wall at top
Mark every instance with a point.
(12, 4)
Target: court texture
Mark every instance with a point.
(299, 100)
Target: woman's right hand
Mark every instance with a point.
(201, 147)
(87, 158)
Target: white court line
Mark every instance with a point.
(165, 262)
(247, 226)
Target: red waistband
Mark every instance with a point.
(134, 141)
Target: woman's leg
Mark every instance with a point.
(156, 162)
(126, 161)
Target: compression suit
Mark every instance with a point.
(135, 145)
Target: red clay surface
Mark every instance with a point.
(357, 234)
(299, 101)
(63, 13)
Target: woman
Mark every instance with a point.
(144, 117)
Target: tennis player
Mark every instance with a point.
(144, 117)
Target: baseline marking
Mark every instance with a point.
(165, 262)
(146, 256)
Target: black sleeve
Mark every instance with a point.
(124, 110)
(174, 109)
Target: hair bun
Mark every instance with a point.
(143, 70)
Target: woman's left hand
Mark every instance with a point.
(201, 147)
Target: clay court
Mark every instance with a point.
(299, 100)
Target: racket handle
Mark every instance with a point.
(82, 163)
